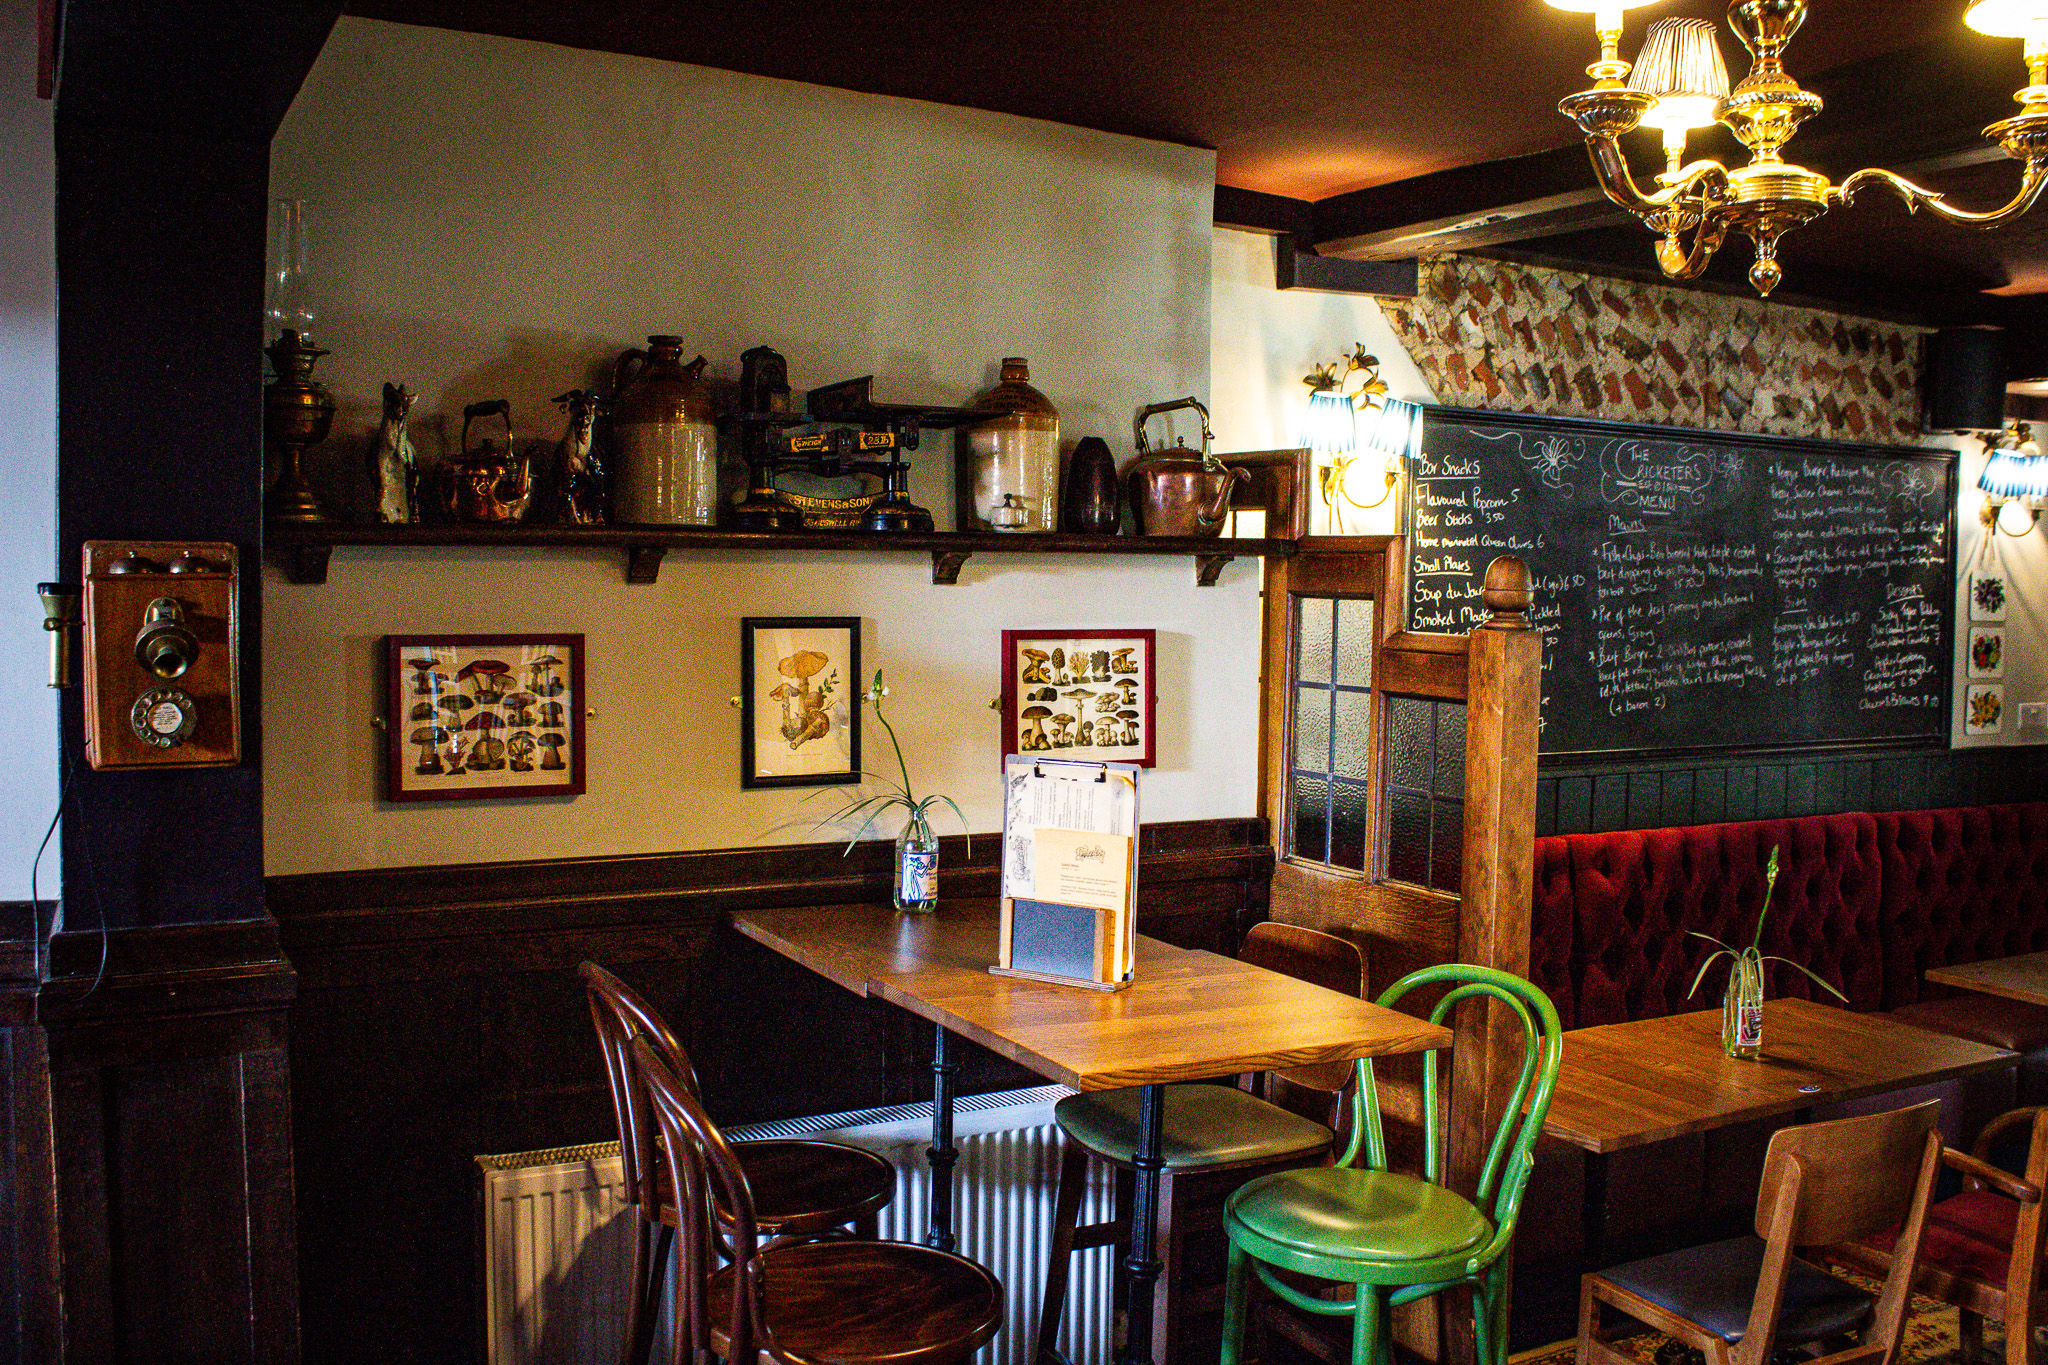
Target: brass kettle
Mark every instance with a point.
(1177, 492)
(486, 485)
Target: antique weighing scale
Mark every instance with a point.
(842, 467)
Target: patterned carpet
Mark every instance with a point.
(1931, 1339)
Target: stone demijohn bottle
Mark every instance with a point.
(1016, 455)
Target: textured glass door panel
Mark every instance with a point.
(1313, 619)
(1411, 727)
(1312, 728)
(1349, 804)
(1310, 803)
(1447, 841)
(1351, 755)
(1408, 837)
(1354, 642)
(1450, 749)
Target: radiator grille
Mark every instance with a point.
(557, 1232)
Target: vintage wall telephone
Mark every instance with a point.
(162, 655)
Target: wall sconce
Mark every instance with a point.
(1355, 430)
(2015, 482)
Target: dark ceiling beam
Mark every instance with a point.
(1254, 211)
(1297, 267)
(1919, 111)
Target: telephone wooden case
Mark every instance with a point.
(162, 657)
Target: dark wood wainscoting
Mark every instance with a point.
(149, 1170)
(439, 1017)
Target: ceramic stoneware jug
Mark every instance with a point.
(665, 436)
(1010, 461)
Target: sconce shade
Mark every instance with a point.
(2017, 475)
(1604, 6)
(1681, 65)
(2009, 18)
(1332, 425)
(1393, 428)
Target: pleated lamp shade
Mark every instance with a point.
(2017, 475)
(1681, 65)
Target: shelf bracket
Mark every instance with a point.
(946, 566)
(303, 564)
(1207, 567)
(643, 562)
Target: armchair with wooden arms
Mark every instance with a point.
(1982, 1248)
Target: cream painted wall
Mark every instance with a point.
(1263, 340)
(499, 218)
(28, 452)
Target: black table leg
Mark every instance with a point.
(1142, 1269)
(1593, 1224)
(941, 1153)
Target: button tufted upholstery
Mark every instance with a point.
(1868, 901)
(1614, 913)
(1960, 886)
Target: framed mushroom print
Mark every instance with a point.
(475, 717)
(799, 709)
(1080, 694)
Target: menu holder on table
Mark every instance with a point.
(1070, 873)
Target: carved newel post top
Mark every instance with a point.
(1506, 593)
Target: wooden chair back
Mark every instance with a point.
(1856, 1176)
(1835, 1181)
(706, 1170)
(622, 1014)
(1309, 955)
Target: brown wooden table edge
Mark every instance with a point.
(1962, 978)
(823, 964)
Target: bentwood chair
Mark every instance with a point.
(803, 1188)
(799, 1303)
(1212, 1135)
(1382, 1238)
(1982, 1249)
(1737, 1301)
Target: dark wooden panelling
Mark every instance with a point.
(1579, 800)
(439, 1017)
(171, 1118)
(31, 1302)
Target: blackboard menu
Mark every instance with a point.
(1698, 591)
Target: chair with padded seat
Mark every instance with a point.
(784, 1302)
(802, 1188)
(1213, 1136)
(1739, 1300)
(1368, 1239)
(1981, 1250)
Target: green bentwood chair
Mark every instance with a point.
(1397, 1238)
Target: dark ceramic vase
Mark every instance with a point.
(1090, 507)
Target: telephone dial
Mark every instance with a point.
(162, 659)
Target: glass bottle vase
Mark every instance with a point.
(917, 866)
(1742, 1007)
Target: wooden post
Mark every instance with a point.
(1503, 695)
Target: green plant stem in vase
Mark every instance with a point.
(916, 879)
(1742, 1001)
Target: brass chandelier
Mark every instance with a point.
(1679, 84)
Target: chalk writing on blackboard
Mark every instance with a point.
(1697, 591)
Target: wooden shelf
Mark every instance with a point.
(303, 550)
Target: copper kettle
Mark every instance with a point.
(1177, 492)
(487, 485)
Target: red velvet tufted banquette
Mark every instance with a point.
(1959, 886)
(1868, 901)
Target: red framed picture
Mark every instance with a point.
(479, 717)
(1085, 695)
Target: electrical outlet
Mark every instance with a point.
(2034, 715)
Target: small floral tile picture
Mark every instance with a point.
(1984, 712)
(1988, 592)
(1987, 652)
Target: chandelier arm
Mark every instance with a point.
(2033, 179)
(1611, 167)
(1686, 263)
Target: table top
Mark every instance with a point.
(2016, 978)
(1187, 1015)
(1623, 1085)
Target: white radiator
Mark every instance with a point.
(557, 1233)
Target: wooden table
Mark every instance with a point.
(1187, 1016)
(2016, 978)
(1625, 1085)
